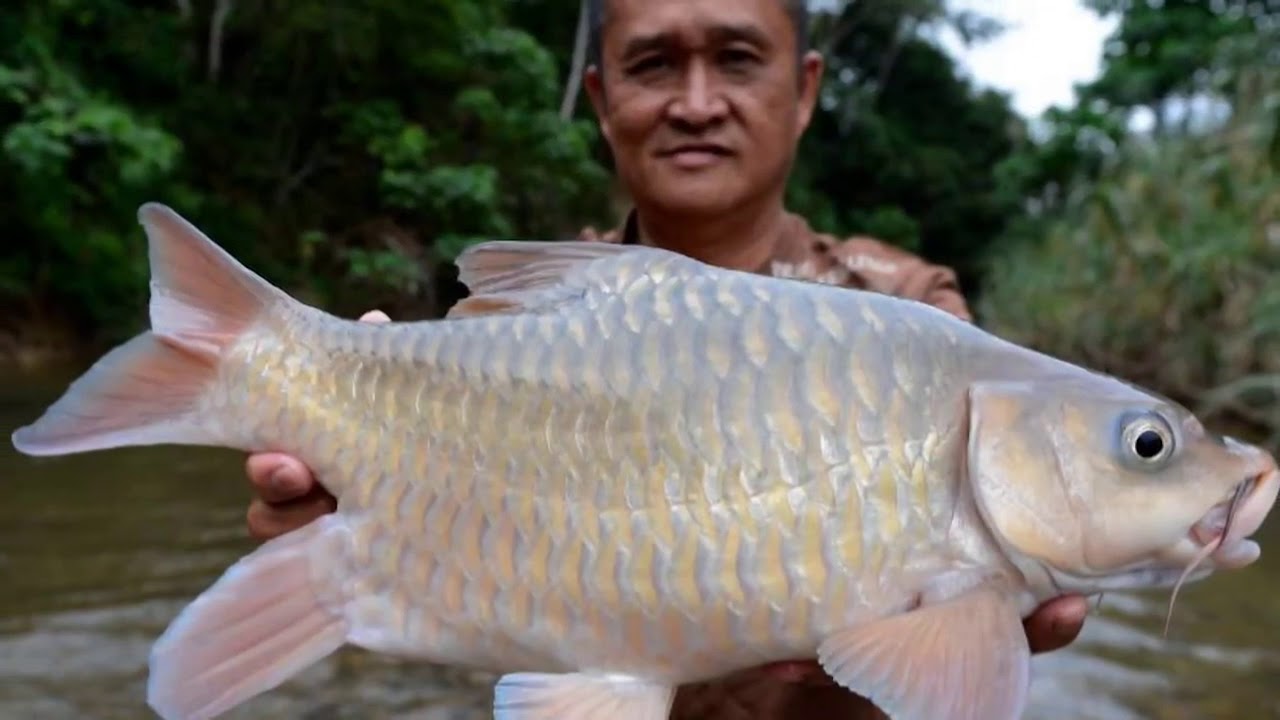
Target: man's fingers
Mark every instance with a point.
(278, 478)
(375, 316)
(1056, 623)
(270, 521)
(288, 496)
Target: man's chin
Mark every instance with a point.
(696, 196)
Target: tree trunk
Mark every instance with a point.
(576, 66)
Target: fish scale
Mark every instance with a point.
(449, 366)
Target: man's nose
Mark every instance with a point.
(700, 101)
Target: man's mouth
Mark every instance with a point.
(695, 155)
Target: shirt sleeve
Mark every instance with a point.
(591, 234)
(893, 271)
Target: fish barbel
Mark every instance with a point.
(613, 470)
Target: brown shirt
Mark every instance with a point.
(857, 262)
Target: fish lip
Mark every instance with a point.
(1252, 509)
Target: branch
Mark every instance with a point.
(576, 65)
(317, 159)
(841, 28)
(190, 48)
(221, 12)
(906, 29)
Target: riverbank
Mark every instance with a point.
(31, 348)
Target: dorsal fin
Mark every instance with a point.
(519, 275)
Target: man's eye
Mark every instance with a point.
(646, 65)
(737, 58)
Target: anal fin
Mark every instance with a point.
(580, 696)
(962, 659)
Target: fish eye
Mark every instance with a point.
(1148, 439)
(1148, 444)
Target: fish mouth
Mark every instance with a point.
(1230, 522)
(1223, 532)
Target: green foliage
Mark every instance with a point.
(902, 146)
(1164, 271)
(349, 151)
(1176, 61)
(72, 157)
(1165, 53)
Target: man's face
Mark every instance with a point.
(701, 101)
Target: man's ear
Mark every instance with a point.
(811, 68)
(593, 81)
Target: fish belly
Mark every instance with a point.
(673, 494)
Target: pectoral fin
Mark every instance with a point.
(963, 659)
(580, 696)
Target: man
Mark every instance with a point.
(703, 103)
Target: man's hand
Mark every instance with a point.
(288, 496)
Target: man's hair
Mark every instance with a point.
(797, 10)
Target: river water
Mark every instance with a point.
(98, 552)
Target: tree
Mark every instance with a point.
(346, 151)
(903, 146)
(1165, 55)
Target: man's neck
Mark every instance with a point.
(738, 241)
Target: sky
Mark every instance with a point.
(1046, 48)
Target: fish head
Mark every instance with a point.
(1090, 484)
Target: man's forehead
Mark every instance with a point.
(761, 21)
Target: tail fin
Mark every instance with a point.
(264, 621)
(144, 392)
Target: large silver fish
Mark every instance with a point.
(613, 470)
